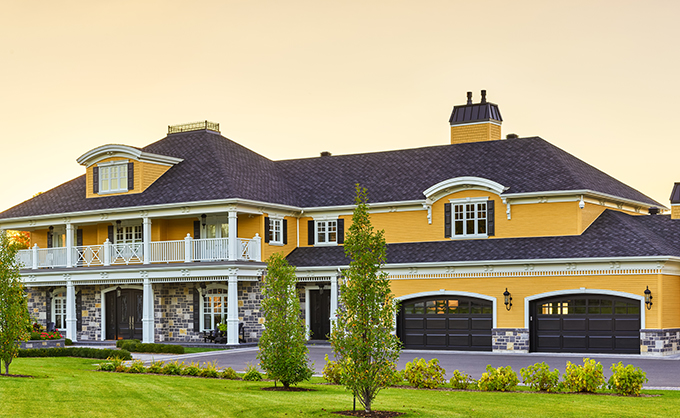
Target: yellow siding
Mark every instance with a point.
(522, 287)
(177, 229)
(249, 225)
(90, 235)
(588, 215)
(268, 249)
(536, 220)
(675, 211)
(145, 175)
(39, 237)
(667, 302)
(485, 131)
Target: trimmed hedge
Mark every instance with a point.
(138, 347)
(75, 352)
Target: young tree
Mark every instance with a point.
(362, 337)
(282, 354)
(14, 317)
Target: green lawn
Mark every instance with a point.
(71, 387)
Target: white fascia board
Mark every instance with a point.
(577, 193)
(481, 122)
(377, 207)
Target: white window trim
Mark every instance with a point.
(53, 308)
(273, 219)
(107, 166)
(316, 232)
(468, 200)
(203, 293)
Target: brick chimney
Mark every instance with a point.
(474, 122)
(675, 201)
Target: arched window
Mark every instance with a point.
(214, 307)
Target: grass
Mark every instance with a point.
(71, 387)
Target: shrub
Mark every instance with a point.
(398, 378)
(107, 366)
(501, 379)
(137, 366)
(82, 352)
(209, 369)
(229, 373)
(155, 367)
(252, 374)
(461, 380)
(585, 378)
(120, 343)
(192, 369)
(332, 371)
(137, 347)
(423, 374)
(173, 368)
(627, 380)
(539, 377)
(68, 342)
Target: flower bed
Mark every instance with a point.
(59, 342)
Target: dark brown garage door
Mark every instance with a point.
(585, 324)
(446, 323)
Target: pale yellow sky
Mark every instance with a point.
(289, 79)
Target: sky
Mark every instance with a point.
(289, 79)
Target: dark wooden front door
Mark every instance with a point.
(320, 306)
(124, 314)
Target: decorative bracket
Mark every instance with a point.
(428, 205)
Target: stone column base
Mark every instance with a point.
(510, 340)
(659, 342)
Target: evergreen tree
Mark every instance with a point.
(283, 354)
(362, 338)
(14, 318)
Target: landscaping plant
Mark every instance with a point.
(502, 379)
(252, 374)
(538, 376)
(585, 378)
(332, 371)
(228, 373)
(627, 380)
(193, 369)
(14, 318)
(424, 374)
(282, 350)
(461, 380)
(362, 337)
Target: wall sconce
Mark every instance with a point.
(508, 299)
(648, 298)
(203, 218)
(118, 227)
(118, 289)
(51, 229)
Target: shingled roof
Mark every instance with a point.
(613, 234)
(216, 168)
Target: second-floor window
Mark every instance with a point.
(276, 231)
(327, 232)
(469, 218)
(113, 178)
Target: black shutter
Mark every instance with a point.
(285, 232)
(49, 238)
(79, 312)
(310, 232)
(490, 219)
(48, 306)
(197, 312)
(79, 237)
(111, 237)
(197, 229)
(341, 231)
(131, 176)
(447, 220)
(95, 180)
(266, 229)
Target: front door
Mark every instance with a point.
(124, 314)
(320, 307)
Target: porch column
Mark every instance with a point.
(148, 314)
(232, 307)
(71, 321)
(334, 299)
(233, 240)
(146, 237)
(69, 244)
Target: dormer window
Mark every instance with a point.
(113, 177)
(469, 218)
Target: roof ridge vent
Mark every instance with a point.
(194, 126)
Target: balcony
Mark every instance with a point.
(182, 251)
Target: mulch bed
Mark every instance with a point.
(372, 414)
(16, 375)
(288, 389)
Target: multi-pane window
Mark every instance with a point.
(113, 178)
(214, 308)
(469, 219)
(59, 310)
(129, 234)
(276, 231)
(326, 232)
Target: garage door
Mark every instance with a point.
(585, 324)
(446, 323)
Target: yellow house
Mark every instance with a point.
(493, 244)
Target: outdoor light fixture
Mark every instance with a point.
(648, 298)
(118, 227)
(203, 218)
(508, 299)
(118, 289)
(321, 289)
(51, 228)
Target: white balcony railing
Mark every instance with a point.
(186, 250)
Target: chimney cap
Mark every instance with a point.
(475, 112)
(483, 97)
(511, 136)
(325, 154)
(469, 97)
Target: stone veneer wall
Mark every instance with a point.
(91, 313)
(659, 342)
(37, 303)
(174, 312)
(249, 302)
(510, 340)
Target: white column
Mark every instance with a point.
(187, 248)
(334, 299)
(69, 244)
(146, 237)
(233, 241)
(107, 252)
(35, 257)
(71, 321)
(232, 307)
(148, 314)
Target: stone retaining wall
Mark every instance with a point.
(43, 343)
(510, 340)
(659, 342)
